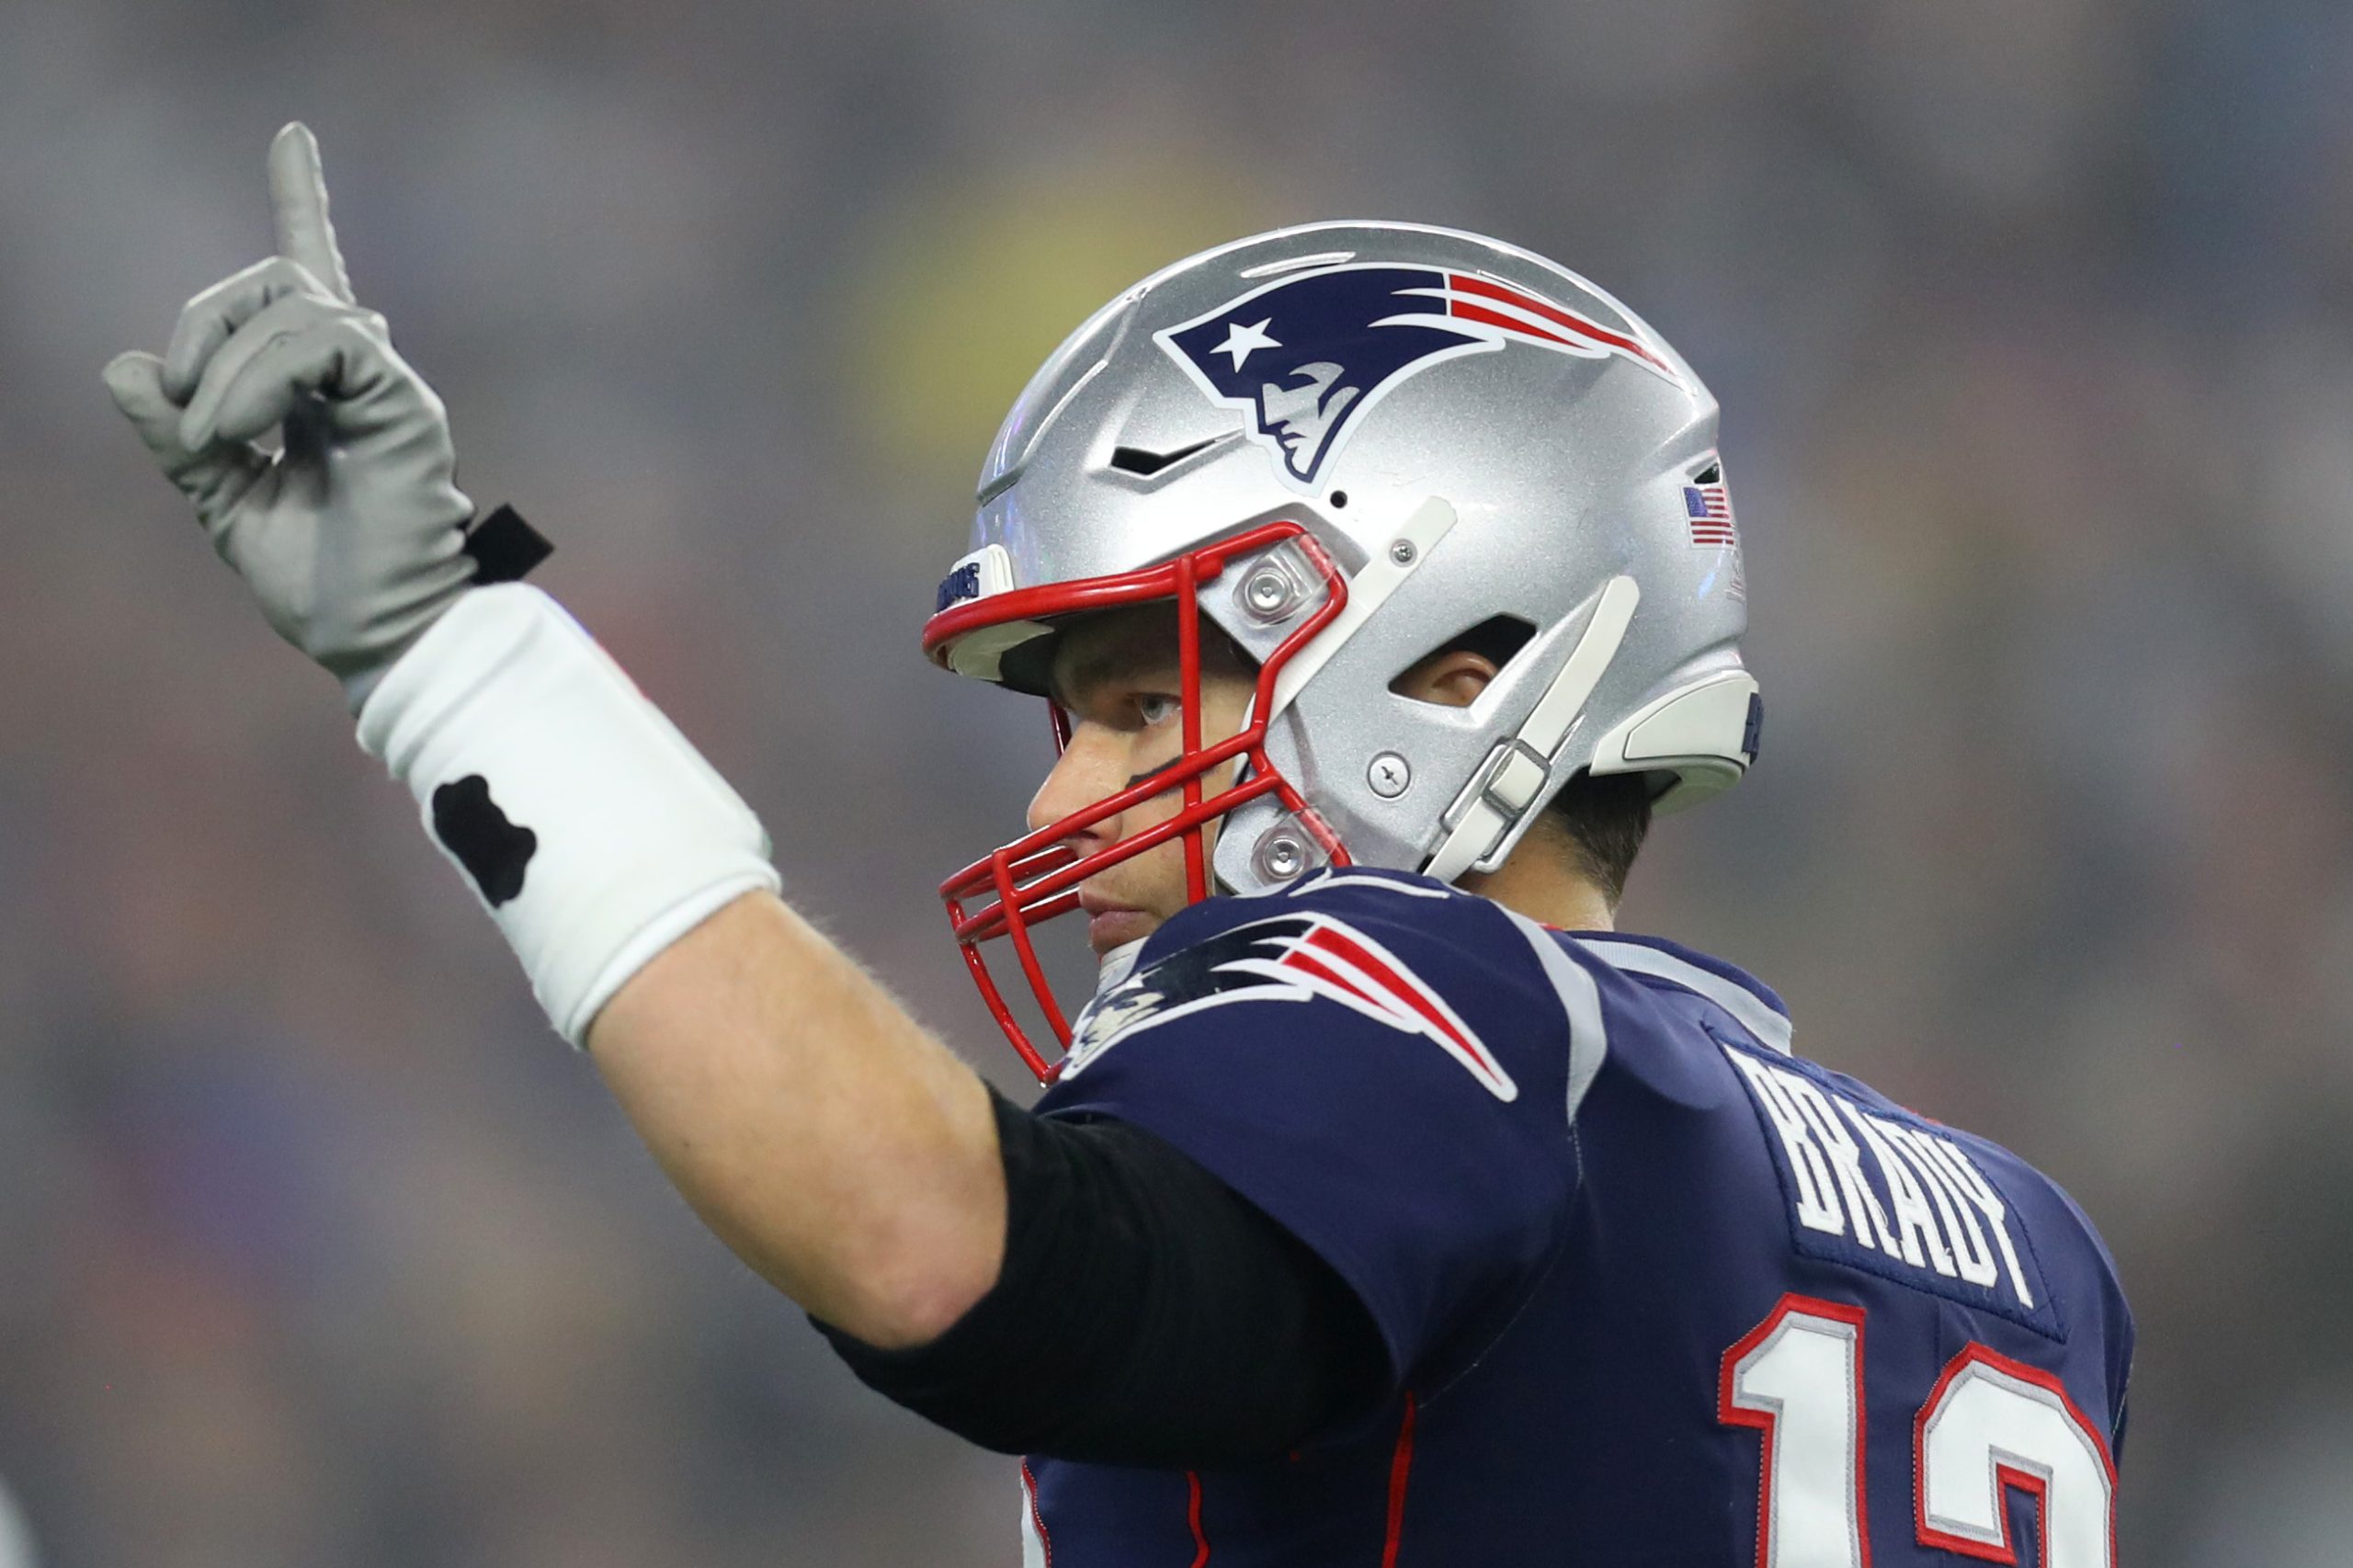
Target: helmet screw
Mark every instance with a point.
(1280, 858)
(1270, 594)
(1389, 776)
(1401, 553)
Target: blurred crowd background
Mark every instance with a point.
(2033, 325)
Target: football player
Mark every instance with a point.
(1384, 1205)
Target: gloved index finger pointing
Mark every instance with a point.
(297, 199)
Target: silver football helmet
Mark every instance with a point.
(1348, 444)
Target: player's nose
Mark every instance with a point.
(1091, 767)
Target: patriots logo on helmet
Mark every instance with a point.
(1291, 957)
(1306, 355)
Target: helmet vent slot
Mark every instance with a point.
(1138, 461)
(1711, 474)
(1498, 639)
(997, 486)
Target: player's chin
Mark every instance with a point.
(1113, 928)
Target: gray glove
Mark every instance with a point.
(350, 536)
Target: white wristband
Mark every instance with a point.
(590, 828)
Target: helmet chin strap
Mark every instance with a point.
(1515, 774)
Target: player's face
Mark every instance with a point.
(1117, 676)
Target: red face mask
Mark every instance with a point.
(1036, 877)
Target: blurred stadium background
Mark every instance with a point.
(2033, 324)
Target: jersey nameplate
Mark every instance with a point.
(1889, 1196)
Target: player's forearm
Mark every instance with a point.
(836, 1147)
(833, 1145)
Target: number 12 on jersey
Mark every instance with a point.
(1989, 1425)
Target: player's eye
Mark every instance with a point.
(1157, 707)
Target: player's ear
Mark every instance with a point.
(1452, 677)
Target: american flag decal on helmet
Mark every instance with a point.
(1707, 506)
(1291, 957)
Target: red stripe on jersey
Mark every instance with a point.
(1302, 960)
(1193, 1517)
(1403, 986)
(1036, 1519)
(1401, 1465)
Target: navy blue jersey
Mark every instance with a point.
(1653, 1289)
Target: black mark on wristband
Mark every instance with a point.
(504, 547)
(493, 850)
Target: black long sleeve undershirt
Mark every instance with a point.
(1146, 1314)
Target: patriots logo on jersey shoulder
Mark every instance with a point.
(1306, 355)
(1288, 958)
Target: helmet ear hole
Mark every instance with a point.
(1498, 639)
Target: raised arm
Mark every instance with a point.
(1084, 1288)
(838, 1148)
